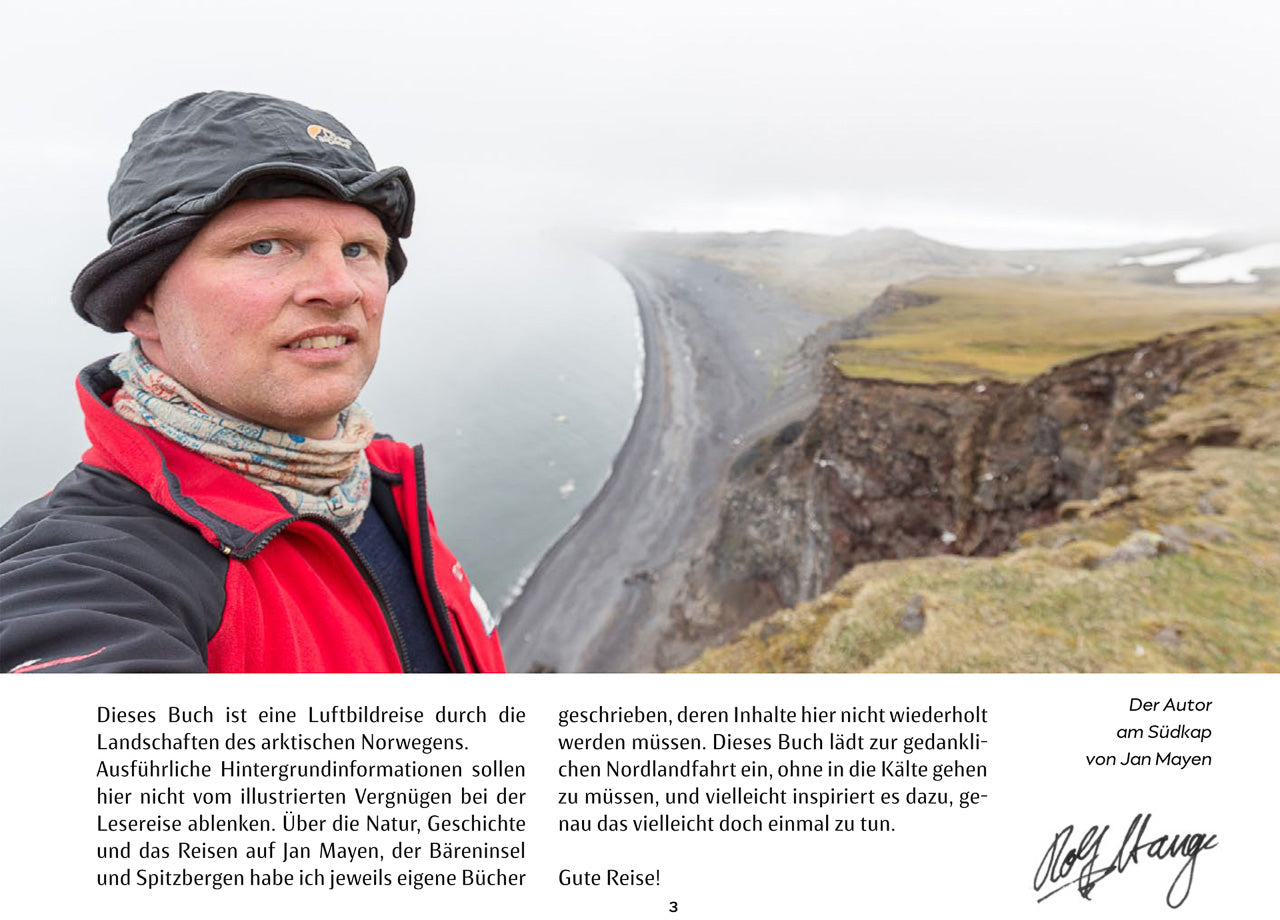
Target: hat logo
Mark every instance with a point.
(325, 136)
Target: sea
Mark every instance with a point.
(515, 360)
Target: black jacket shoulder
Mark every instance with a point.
(96, 576)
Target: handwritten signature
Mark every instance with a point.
(1063, 858)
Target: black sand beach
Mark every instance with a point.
(716, 376)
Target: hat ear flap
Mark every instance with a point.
(110, 287)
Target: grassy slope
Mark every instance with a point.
(1015, 328)
(1209, 600)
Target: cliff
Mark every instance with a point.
(886, 470)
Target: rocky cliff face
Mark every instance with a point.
(888, 470)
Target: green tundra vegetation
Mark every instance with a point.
(1177, 569)
(1013, 328)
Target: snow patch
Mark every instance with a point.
(1169, 257)
(1234, 266)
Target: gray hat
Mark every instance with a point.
(197, 155)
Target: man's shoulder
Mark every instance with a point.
(90, 503)
(85, 487)
(97, 576)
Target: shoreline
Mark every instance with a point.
(642, 428)
(646, 373)
(598, 599)
(527, 574)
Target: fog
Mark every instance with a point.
(980, 122)
(1011, 124)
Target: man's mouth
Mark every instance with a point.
(319, 341)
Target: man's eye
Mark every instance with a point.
(264, 247)
(354, 250)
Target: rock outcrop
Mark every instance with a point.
(885, 470)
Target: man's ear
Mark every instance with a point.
(142, 321)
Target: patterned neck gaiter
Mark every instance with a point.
(328, 477)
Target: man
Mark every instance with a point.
(235, 511)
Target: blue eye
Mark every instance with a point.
(354, 250)
(263, 247)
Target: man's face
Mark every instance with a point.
(273, 312)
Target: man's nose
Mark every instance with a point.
(327, 280)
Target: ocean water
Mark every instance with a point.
(515, 362)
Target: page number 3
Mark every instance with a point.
(672, 907)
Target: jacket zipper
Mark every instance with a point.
(362, 566)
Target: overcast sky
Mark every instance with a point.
(1002, 123)
(997, 122)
